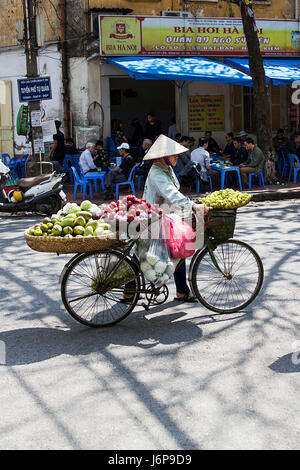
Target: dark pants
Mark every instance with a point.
(180, 279)
(114, 177)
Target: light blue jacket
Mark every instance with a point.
(162, 187)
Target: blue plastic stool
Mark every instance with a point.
(260, 179)
(130, 182)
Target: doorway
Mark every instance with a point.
(131, 99)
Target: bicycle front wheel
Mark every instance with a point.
(237, 287)
(101, 288)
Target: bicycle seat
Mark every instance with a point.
(33, 181)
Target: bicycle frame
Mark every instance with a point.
(154, 291)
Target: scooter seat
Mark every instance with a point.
(33, 181)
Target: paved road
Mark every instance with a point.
(180, 378)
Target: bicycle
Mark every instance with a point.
(225, 277)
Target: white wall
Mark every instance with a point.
(79, 90)
(13, 67)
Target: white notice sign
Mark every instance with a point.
(49, 130)
(36, 118)
(38, 145)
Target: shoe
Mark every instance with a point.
(186, 298)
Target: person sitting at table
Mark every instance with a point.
(254, 163)
(86, 160)
(101, 157)
(240, 155)
(184, 158)
(293, 145)
(229, 149)
(70, 148)
(201, 156)
(120, 173)
(212, 147)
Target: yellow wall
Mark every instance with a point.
(12, 10)
(277, 8)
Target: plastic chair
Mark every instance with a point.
(5, 157)
(83, 183)
(130, 182)
(198, 183)
(140, 178)
(67, 166)
(22, 162)
(292, 160)
(285, 163)
(260, 179)
(14, 167)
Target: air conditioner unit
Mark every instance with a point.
(182, 14)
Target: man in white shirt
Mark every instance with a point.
(201, 156)
(86, 160)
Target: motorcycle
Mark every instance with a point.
(41, 193)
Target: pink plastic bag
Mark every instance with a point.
(181, 238)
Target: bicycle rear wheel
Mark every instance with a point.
(93, 288)
(240, 284)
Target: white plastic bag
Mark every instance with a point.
(155, 261)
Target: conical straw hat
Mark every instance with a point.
(164, 147)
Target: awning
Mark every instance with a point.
(184, 68)
(281, 71)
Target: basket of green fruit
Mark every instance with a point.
(72, 230)
(220, 223)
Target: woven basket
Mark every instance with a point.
(71, 245)
(221, 224)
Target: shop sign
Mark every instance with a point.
(167, 36)
(206, 112)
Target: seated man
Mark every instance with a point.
(229, 149)
(240, 155)
(255, 161)
(212, 147)
(293, 146)
(101, 158)
(86, 160)
(183, 158)
(279, 141)
(120, 173)
(201, 156)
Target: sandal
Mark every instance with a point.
(186, 298)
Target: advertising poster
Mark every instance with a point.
(206, 112)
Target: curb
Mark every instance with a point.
(276, 195)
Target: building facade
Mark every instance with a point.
(88, 92)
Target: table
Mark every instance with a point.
(96, 176)
(224, 169)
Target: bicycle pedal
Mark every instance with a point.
(146, 307)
